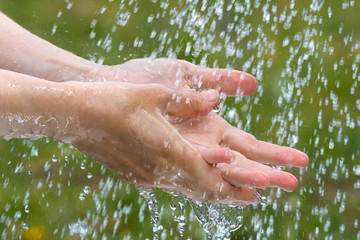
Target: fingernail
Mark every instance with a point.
(211, 95)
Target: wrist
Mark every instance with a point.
(58, 117)
(101, 73)
(72, 69)
(86, 71)
(33, 108)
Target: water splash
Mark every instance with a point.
(218, 220)
(179, 203)
(149, 196)
(263, 200)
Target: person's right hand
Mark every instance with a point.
(208, 133)
(123, 126)
(211, 134)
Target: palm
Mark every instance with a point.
(210, 132)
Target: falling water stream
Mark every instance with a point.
(305, 56)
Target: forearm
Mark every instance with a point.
(32, 108)
(23, 52)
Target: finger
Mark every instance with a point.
(214, 155)
(283, 180)
(231, 82)
(238, 176)
(263, 152)
(277, 178)
(187, 104)
(280, 179)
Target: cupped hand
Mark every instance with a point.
(177, 74)
(238, 156)
(124, 127)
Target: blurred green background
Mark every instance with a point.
(305, 55)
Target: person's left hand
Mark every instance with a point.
(175, 74)
(238, 155)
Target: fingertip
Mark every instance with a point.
(305, 160)
(248, 83)
(302, 160)
(188, 104)
(290, 184)
(215, 155)
(211, 95)
(288, 156)
(243, 177)
(231, 82)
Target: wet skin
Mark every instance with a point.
(145, 119)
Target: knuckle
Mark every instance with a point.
(156, 91)
(252, 142)
(186, 65)
(250, 139)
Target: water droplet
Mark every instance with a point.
(331, 144)
(82, 196)
(27, 209)
(47, 166)
(87, 189)
(286, 41)
(25, 226)
(122, 18)
(356, 170)
(262, 199)
(54, 29)
(54, 159)
(69, 5)
(150, 18)
(82, 166)
(358, 104)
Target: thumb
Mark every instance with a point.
(187, 104)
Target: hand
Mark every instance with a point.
(213, 131)
(238, 155)
(131, 136)
(176, 74)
